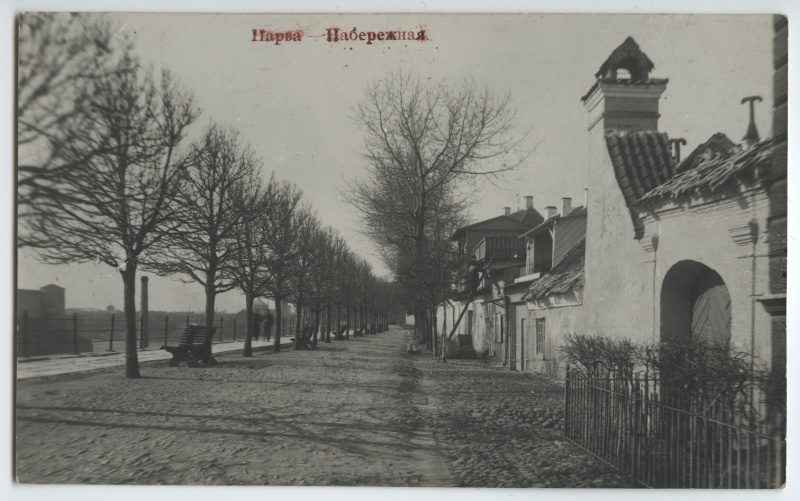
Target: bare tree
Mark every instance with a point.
(426, 142)
(307, 256)
(202, 248)
(115, 206)
(282, 247)
(334, 275)
(250, 251)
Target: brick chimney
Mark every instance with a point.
(625, 103)
(550, 211)
(506, 211)
(529, 202)
(566, 206)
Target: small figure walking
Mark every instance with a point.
(270, 319)
(256, 325)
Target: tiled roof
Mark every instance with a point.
(642, 161)
(576, 211)
(712, 173)
(564, 277)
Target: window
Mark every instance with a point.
(540, 336)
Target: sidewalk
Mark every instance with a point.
(53, 365)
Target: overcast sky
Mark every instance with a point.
(294, 102)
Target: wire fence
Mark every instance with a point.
(663, 438)
(96, 333)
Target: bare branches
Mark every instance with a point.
(426, 143)
(216, 169)
(115, 205)
(61, 59)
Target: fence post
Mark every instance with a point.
(111, 339)
(25, 333)
(75, 332)
(221, 318)
(166, 329)
(566, 404)
(234, 328)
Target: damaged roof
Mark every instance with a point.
(718, 146)
(564, 277)
(709, 172)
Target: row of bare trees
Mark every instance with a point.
(429, 149)
(105, 176)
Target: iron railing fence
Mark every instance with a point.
(77, 334)
(662, 437)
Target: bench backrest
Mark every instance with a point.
(204, 335)
(187, 337)
(195, 335)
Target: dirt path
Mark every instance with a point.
(358, 412)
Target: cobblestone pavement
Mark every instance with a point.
(358, 412)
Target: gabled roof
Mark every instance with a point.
(548, 223)
(524, 219)
(718, 146)
(642, 161)
(529, 216)
(564, 277)
(712, 173)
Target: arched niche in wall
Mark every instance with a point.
(695, 305)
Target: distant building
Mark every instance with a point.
(46, 302)
(42, 324)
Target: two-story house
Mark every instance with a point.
(496, 242)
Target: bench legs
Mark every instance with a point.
(192, 360)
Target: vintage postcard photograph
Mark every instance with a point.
(401, 250)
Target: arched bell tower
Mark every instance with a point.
(623, 95)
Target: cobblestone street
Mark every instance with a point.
(358, 412)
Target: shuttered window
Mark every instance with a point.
(540, 336)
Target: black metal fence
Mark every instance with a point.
(663, 438)
(106, 332)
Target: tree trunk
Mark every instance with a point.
(276, 345)
(248, 337)
(211, 296)
(129, 299)
(347, 323)
(328, 325)
(298, 330)
(316, 322)
(435, 333)
(338, 318)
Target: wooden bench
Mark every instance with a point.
(194, 347)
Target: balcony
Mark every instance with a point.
(500, 249)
